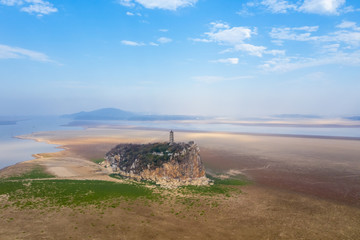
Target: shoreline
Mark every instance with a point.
(302, 164)
(299, 189)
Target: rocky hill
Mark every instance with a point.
(167, 164)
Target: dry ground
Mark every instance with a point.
(304, 188)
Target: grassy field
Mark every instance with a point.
(31, 191)
(37, 172)
(43, 193)
(97, 160)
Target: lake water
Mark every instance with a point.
(13, 150)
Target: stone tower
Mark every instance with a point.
(171, 140)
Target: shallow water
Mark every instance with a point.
(13, 150)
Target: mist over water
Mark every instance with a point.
(353, 132)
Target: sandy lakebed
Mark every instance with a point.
(301, 188)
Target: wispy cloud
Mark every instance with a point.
(349, 34)
(8, 52)
(154, 44)
(132, 43)
(159, 4)
(286, 64)
(348, 24)
(278, 6)
(214, 79)
(227, 60)
(38, 7)
(322, 7)
(294, 33)
(164, 40)
(133, 14)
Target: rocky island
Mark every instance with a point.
(169, 164)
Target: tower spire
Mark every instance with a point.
(171, 139)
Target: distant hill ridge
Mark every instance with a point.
(118, 114)
(354, 118)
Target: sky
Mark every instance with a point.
(237, 58)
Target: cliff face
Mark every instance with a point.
(169, 165)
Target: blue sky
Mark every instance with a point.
(201, 57)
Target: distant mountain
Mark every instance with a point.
(101, 114)
(7, 122)
(118, 114)
(296, 116)
(354, 118)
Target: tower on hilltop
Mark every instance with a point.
(171, 139)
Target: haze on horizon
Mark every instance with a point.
(194, 57)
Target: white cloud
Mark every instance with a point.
(234, 37)
(219, 25)
(257, 51)
(161, 40)
(278, 6)
(251, 49)
(349, 37)
(200, 40)
(214, 79)
(286, 64)
(227, 60)
(329, 7)
(331, 48)
(349, 34)
(164, 40)
(8, 52)
(133, 14)
(163, 30)
(153, 44)
(348, 24)
(38, 7)
(132, 43)
(160, 4)
(323, 7)
(295, 33)
(126, 3)
(10, 2)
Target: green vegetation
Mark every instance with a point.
(231, 181)
(97, 160)
(70, 192)
(205, 190)
(220, 186)
(37, 172)
(152, 154)
(30, 191)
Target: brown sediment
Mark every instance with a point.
(327, 168)
(294, 180)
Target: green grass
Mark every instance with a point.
(37, 172)
(70, 192)
(205, 190)
(220, 186)
(97, 160)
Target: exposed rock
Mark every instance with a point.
(169, 165)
